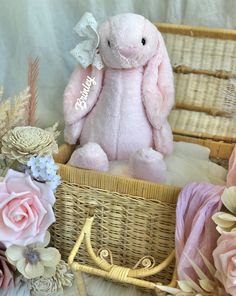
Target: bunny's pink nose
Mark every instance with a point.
(127, 51)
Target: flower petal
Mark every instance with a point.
(34, 270)
(227, 217)
(48, 220)
(3, 188)
(46, 192)
(20, 265)
(43, 242)
(49, 256)
(11, 174)
(46, 239)
(229, 199)
(49, 271)
(14, 253)
(207, 285)
(185, 286)
(20, 184)
(224, 219)
(222, 230)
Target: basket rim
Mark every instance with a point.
(119, 184)
(197, 31)
(130, 186)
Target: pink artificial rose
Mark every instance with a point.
(225, 261)
(25, 209)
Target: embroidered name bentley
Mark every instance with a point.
(81, 101)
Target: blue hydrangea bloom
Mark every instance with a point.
(44, 169)
(54, 182)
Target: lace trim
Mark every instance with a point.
(86, 51)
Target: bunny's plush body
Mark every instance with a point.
(125, 114)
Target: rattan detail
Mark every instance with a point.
(217, 73)
(129, 226)
(197, 31)
(201, 52)
(112, 271)
(202, 125)
(203, 93)
(204, 61)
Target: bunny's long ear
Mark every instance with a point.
(231, 176)
(80, 96)
(158, 86)
(85, 84)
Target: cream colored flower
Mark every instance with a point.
(63, 276)
(229, 199)
(54, 285)
(21, 143)
(34, 260)
(45, 286)
(226, 221)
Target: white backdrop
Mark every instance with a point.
(43, 28)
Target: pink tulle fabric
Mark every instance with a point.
(195, 229)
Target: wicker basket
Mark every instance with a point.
(135, 218)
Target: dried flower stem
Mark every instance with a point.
(33, 72)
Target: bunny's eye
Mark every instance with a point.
(143, 41)
(109, 43)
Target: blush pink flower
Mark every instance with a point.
(7, 270)
(25, 209)
(225, 261)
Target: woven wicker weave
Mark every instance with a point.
(124, 222)
(136, 218)
(201, 93)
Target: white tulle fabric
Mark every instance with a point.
(188, 163)
(86, 52)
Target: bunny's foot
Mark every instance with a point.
(91, 156)
(148, 164)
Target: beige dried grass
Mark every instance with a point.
(13, 111)
(20, 110)
(33, 71)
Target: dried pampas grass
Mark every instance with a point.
(206, 286)
(13, 111)
(20, 110)
(33, 72)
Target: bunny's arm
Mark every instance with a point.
(74, 112)
(158, 90)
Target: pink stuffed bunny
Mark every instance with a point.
(126, 110)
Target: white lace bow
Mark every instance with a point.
(86, 52)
